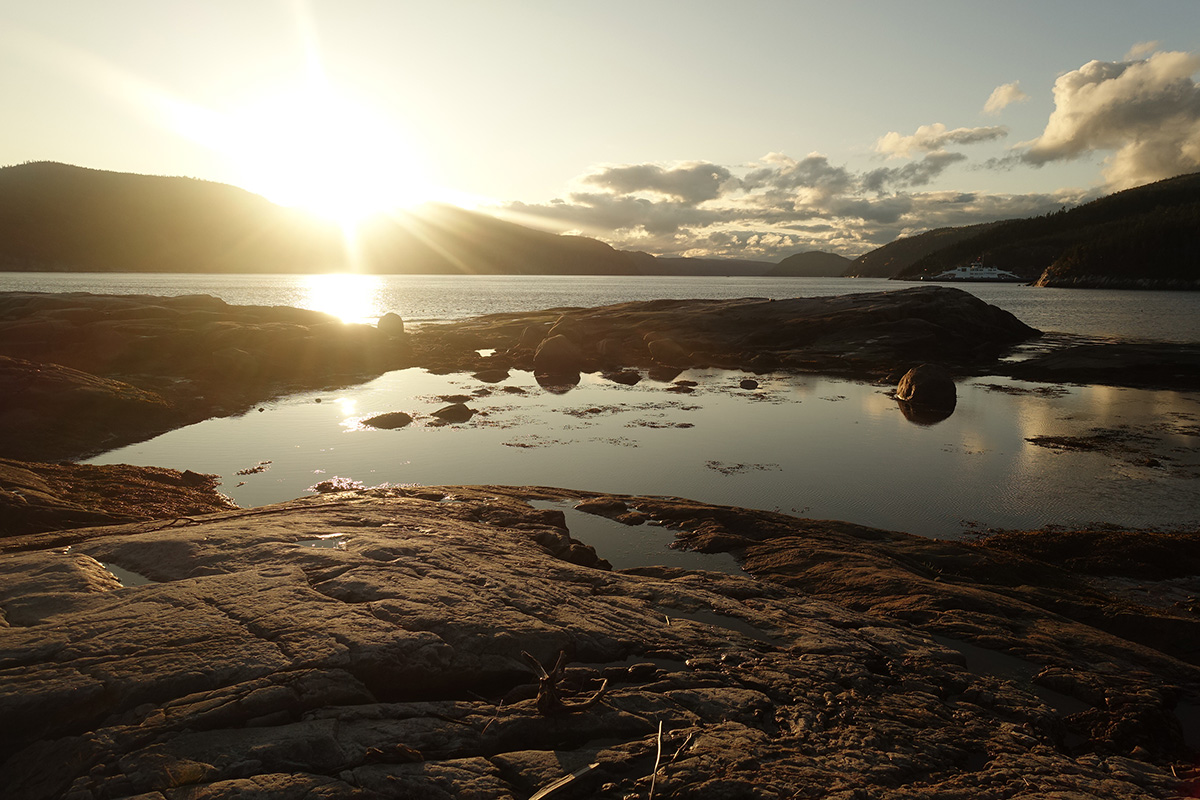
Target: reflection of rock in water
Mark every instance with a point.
(926, 394)
(923, 415)
(557, 384)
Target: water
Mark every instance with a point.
(808, 445)
(1161, 316)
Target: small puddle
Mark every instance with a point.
(331, 541)
(626, 546)
(982, 661)
(709, 617)
(126, 577)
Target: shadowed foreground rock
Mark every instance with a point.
(371, 644)
(45, 497)
(81, 373)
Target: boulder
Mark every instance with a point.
(457, 412)
(391, 324)
(568, 327)
(531, 337)
(669, 353)
(390, 420)
(928, 386)
(558, 355)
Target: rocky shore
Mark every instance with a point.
(373, 644)
(461, 642)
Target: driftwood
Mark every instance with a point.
(549, 701)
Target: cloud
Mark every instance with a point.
(814, 172)
(1141, 50)
(1147, 112)
(778, 205)
(1004, 96)
(916, 173)
(691, 182)
(935, 137)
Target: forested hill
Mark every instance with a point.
(813, 264)
(1144, 237)
(897, 257)
(56, 217)
(61, 217)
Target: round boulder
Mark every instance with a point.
(669, 352)
(391, 324)
(558, 355)
(929, 386)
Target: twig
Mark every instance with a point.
(548, 790)
(548, 699)
(657, 761)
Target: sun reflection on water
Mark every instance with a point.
(349, 297)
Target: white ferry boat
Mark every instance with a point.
(976, 271)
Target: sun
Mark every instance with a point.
(324, 151)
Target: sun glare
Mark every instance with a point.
(322, 151)
(349, 297)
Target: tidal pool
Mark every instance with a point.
(805, 445)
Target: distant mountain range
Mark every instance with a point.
(57, 217)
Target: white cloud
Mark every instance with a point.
(935, 137)
(1146, 112)
(1004, 96)
(1141, 50)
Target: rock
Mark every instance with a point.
(191, 357)
(929, 386)
(391, 324)
(1166, 365)
(495, 375)
(37, 497)
(532, 336)
(626, 377)
(858, 334)
(256, 666)
(456, 412)
(389, 420)
(568, 327)
(558, 355)
(48, 411)
(669, 353)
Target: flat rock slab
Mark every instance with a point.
(370, 644)
(870, 334)
(36, 497)
(87, 372)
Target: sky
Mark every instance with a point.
(751, 128)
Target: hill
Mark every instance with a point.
(815, 264)
(57, 217)
(896, 257)
(1139, 238)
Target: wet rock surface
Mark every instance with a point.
(37, 497)
(86, 372)
(869, 334)
(371, 644)
(82, 373)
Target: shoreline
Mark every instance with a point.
(388, 640)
